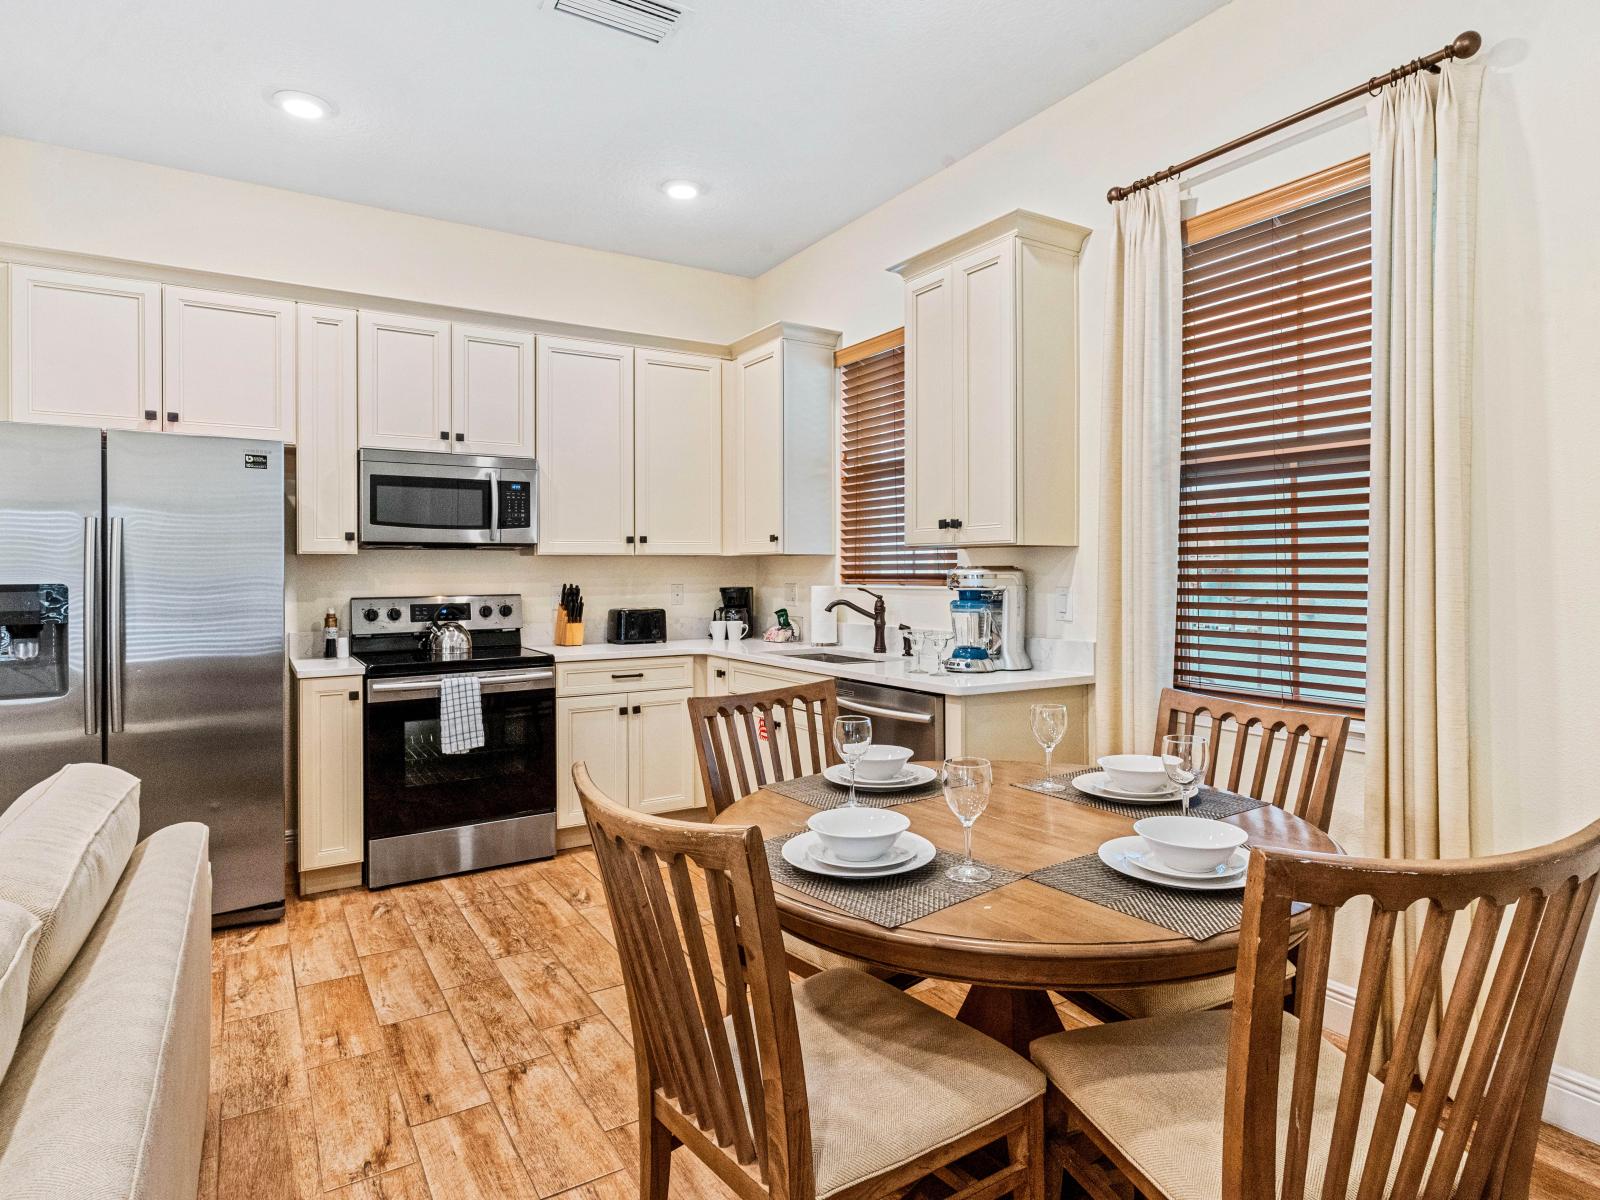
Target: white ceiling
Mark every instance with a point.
(796, 115)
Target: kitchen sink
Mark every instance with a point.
(829, 656)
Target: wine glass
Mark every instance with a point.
(966, 791)
(852, 737)
(1049, 727)
(1184, 757)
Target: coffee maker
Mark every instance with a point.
(987, 617)
(738, 604)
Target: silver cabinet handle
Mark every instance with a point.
(89, 610)
(116, 655)
(889, 714)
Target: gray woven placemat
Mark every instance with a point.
(1196, 915)
(819, 792)
(891, 901)
(1209, 802)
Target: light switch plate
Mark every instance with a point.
(1061, 604)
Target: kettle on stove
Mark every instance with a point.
(446, 640)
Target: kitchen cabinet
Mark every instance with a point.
(491, 394)
(677, 453)
(661, 759)
(778, 464)
(586, 462)
(991, 386)
(328, 771)
(84, 349)
(228, 364)
(326, 470)
(403, 386)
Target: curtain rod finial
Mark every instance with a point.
(1113, 195)
(1467, 44)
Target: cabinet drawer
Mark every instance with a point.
(742, 678)
(624, 675)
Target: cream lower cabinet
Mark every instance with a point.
(328, 772)
(637, 746)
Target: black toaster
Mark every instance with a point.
(630, 626)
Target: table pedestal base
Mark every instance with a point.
(1011, 1016)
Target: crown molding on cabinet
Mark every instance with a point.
(789, 331)
(1030, 226)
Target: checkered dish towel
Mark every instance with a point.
(460, 714)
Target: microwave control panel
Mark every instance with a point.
(516, 504)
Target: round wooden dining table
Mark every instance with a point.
(1016, 942)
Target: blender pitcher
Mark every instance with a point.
(975, 618)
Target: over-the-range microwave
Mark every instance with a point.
(418, 498)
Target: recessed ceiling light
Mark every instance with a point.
(681, 189)
(303, 105)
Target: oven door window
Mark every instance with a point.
(422, 502)
(413, 786)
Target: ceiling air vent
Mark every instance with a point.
(647, 19)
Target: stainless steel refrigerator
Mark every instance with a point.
(141, 604)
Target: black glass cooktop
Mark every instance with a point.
(403, 655)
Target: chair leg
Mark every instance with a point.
(1027, 1145)
(655, 1159)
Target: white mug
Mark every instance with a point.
(723, 631)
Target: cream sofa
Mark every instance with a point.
(104, 994)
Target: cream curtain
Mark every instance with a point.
(1139, 463)
(1424, 185)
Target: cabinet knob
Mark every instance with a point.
(636, 710)
(643, 539)
(444, 435)
(355, 695)
(629, 539)
(772, 537)
(622, 710)
(349, 537)
(722, 674)
(944, 522)
(461, 437)
(172, 418)
(955, 523)
(151, 414)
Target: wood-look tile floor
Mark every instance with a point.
(467, 1039)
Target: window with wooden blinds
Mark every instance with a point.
(1277, 420)
(872, 462)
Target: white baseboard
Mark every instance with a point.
(1571, 1102)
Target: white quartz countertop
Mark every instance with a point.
(890, 670)
(326, 668)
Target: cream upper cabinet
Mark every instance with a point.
(778, 461)
(227, 364)
(326, 476)
(677, 450)
(329, 771)
(661, 761)
(585, 420)
(84, 349)
(991, 386)
(491, 396)
(404, 382)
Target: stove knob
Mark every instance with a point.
(369, 614)
(505, 610)
(393, 614)
(485, 611)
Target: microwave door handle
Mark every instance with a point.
(89, 613)
(494, 504)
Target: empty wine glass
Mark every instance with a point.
(966, 791)
(1049, 727)
(852, 737)
(1184, 757)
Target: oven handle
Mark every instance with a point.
(889, 714)
(380, 691)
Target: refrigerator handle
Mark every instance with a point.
(89, 606)
(114, 648)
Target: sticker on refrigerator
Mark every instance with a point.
(258, 461)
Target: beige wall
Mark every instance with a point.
(1536, 573)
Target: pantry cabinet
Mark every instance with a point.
(586, 464)
(228, 364)
(491, 394)
(991, 386)
(84, 349)
(778, 464)
(404, 382)
(328, 771)
(677, 453)
(326, 470)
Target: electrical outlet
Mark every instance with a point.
(792, 593)
(1061, 604)
(677, 594)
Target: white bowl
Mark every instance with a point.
(1136, 772)
(882, 763)
(1190, 843)
(858, 834)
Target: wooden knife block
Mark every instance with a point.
(568, 633)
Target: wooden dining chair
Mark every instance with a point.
(837, 1086)
(746, 742)
(1257, 1105)
(1288, 757)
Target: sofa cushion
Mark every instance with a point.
(19, 933)
(63, 845)
(106, 1096)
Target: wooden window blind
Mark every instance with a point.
(1276, 445)
(872, 459)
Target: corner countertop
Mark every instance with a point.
(882, 669)
(326, 668)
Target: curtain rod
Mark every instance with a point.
(1465, 45)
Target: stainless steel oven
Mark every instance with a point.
(411, 498)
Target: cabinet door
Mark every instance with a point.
(326, 475)
(933, 452)
(985, 380)
(404, 384)
(585, 447)
(661, 763)
(757, 451)
(592, 730)
(677, 446)
(228, 366)
(85, 349)
(491, 397)
(329, 771)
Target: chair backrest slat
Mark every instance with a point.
(750, 733)
(1292, 747)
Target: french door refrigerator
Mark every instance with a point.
(141, 625)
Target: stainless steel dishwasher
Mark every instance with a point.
(900, 717)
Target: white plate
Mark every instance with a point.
(1151, 861)
(797, 853)
(1115, 855)
(915, 775)
(1096, 784)
(898, 853)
